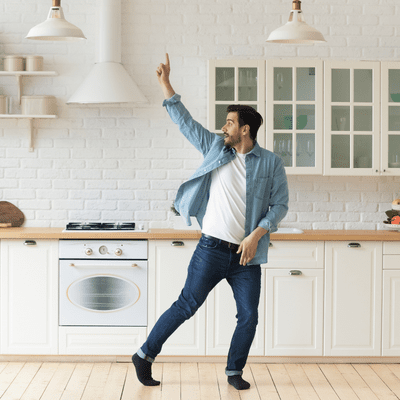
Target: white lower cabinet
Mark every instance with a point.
(95, 340)
(168, 264)
(221, 321)
(391, 300)
(353, 280)
(29, 296)
(294, 312)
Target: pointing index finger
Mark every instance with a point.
(167, 58)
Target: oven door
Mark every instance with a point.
(103, 293)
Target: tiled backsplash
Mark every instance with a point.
(124, 163)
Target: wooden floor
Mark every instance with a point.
(192, 381)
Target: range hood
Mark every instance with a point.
(108, 81)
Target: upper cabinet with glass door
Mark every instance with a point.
(390, 136)
(294, 108)
(352, 100)
(235, 82)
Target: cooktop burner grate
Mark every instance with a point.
(100, 226)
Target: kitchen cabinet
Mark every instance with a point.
(353, 279)
(235, 82)
(352, 118)
(391, 300)
(19, 75)
(29, 296)
(168, 264)
(390, 127)
(294, 108)
(221, 321)
(294, 299)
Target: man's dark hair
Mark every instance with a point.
(247, 116)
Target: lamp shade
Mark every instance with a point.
(55, 28)
(296, 31)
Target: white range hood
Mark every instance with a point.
(108, 81)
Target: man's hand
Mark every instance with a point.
(163, 72)
(249, 244)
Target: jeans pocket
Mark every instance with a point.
(208, 243)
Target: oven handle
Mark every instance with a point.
(102, 266)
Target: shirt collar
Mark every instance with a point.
(256, 150)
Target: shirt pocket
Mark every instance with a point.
(262, 191)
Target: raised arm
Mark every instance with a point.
(163, 72)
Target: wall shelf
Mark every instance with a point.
(19, 74)
(30, 118)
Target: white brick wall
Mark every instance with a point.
(119, 163)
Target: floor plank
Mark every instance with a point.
(115, 382)
(283, 382)
(76, 385)
(59, 381)
(356, 382)
(97, 380)
(226, 391)
(21, 381)
(265, 385)
(171, 383)
(301, 383)
(320, 384)
(374, 382)
(190, 383)
(387, 376)
(40, 381)
(209, 389)
(8, 375)
(252, 392)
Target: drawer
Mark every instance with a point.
(391, 261)
(391, 247)
(294, 254)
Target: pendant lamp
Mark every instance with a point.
(296, 31)
(55, 27)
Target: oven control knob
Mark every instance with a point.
(88, 252)
(118, 252)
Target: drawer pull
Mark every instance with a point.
(30, 243)
(177, 243)
(295, 272)
(354, 245)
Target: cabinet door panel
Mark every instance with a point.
(167, 274)
(353, 278)
(391, 313)
(29, 297)
(294, 312)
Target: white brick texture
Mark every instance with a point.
(123, 163)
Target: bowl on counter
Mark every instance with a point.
(395, 97)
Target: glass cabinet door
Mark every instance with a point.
(294, 114)
(352, 101)
(390, 153)
(235, 82)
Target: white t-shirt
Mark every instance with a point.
(226, 209)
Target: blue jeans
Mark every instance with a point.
(211, 262)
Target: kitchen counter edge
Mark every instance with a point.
(172, 234)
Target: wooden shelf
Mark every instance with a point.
(21, 116)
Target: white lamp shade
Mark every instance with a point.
(55, 28)
(296, 31)
(108, 82)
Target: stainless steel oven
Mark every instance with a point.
(103, 282)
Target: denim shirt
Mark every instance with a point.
(267, 193)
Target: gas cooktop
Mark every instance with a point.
(104, 226)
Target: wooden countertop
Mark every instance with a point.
(171, 234)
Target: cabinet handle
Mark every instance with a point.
(177, 243)
(354, 245)
(270, 244)
(30, 243)
(295, 272)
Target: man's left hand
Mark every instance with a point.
(248, 248)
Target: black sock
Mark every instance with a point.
(237, 382)
(143, 371)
